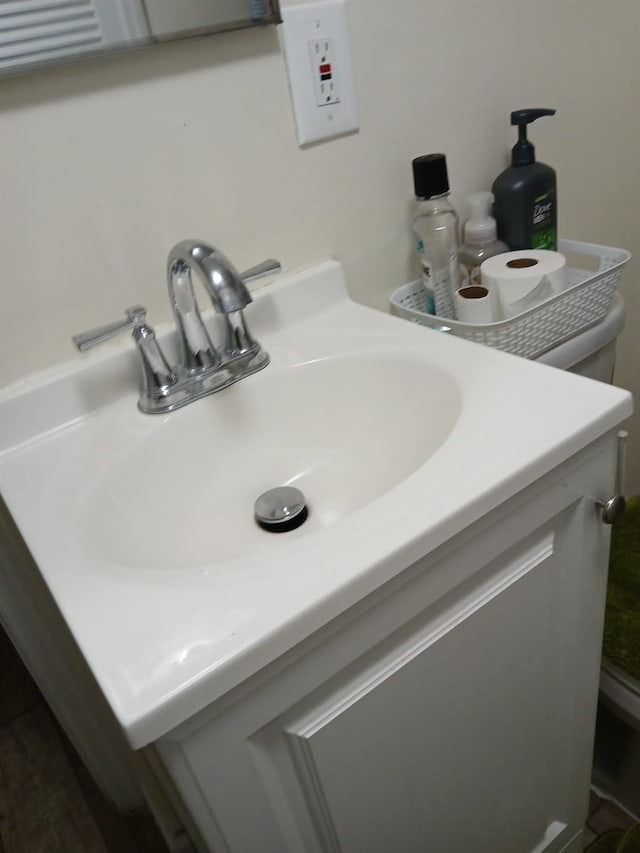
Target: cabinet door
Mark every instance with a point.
(455, 713)
(467, 730)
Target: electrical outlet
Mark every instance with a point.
(316, 47)
(323, 69)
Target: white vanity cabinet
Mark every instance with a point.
(451, 710)
(415, 669)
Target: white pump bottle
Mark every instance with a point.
(480, 240)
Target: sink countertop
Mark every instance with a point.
(164, 640)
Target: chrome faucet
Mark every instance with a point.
(228, 293)
(203, 369)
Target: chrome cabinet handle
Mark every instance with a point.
(613, 508)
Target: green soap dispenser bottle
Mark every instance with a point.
(525, 205)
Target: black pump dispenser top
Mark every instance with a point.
(523, 153)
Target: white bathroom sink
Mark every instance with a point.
(142, 525)
(342, 429)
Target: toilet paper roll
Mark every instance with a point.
(475, 304)
(511, 276)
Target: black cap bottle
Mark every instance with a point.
(435, 230)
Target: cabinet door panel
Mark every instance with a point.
(465, 722)
(442, 742)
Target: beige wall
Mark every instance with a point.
(106, 164)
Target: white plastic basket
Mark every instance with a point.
(583, 303)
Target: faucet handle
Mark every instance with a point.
(135, 316)
(260, 270)
(157, 377)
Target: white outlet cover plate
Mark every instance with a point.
(302, 26)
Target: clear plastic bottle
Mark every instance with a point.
(480, 240)
(435, 228)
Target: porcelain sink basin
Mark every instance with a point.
(342, 429)
(142, 526)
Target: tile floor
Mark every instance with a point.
(48, 801)
(603, 816)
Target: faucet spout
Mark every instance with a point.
(226, 289)
(229, 294)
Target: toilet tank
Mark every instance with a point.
(592, 352)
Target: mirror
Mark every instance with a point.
(37, 33)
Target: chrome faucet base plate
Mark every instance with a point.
(189, 388)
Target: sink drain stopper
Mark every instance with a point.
(281, 509)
